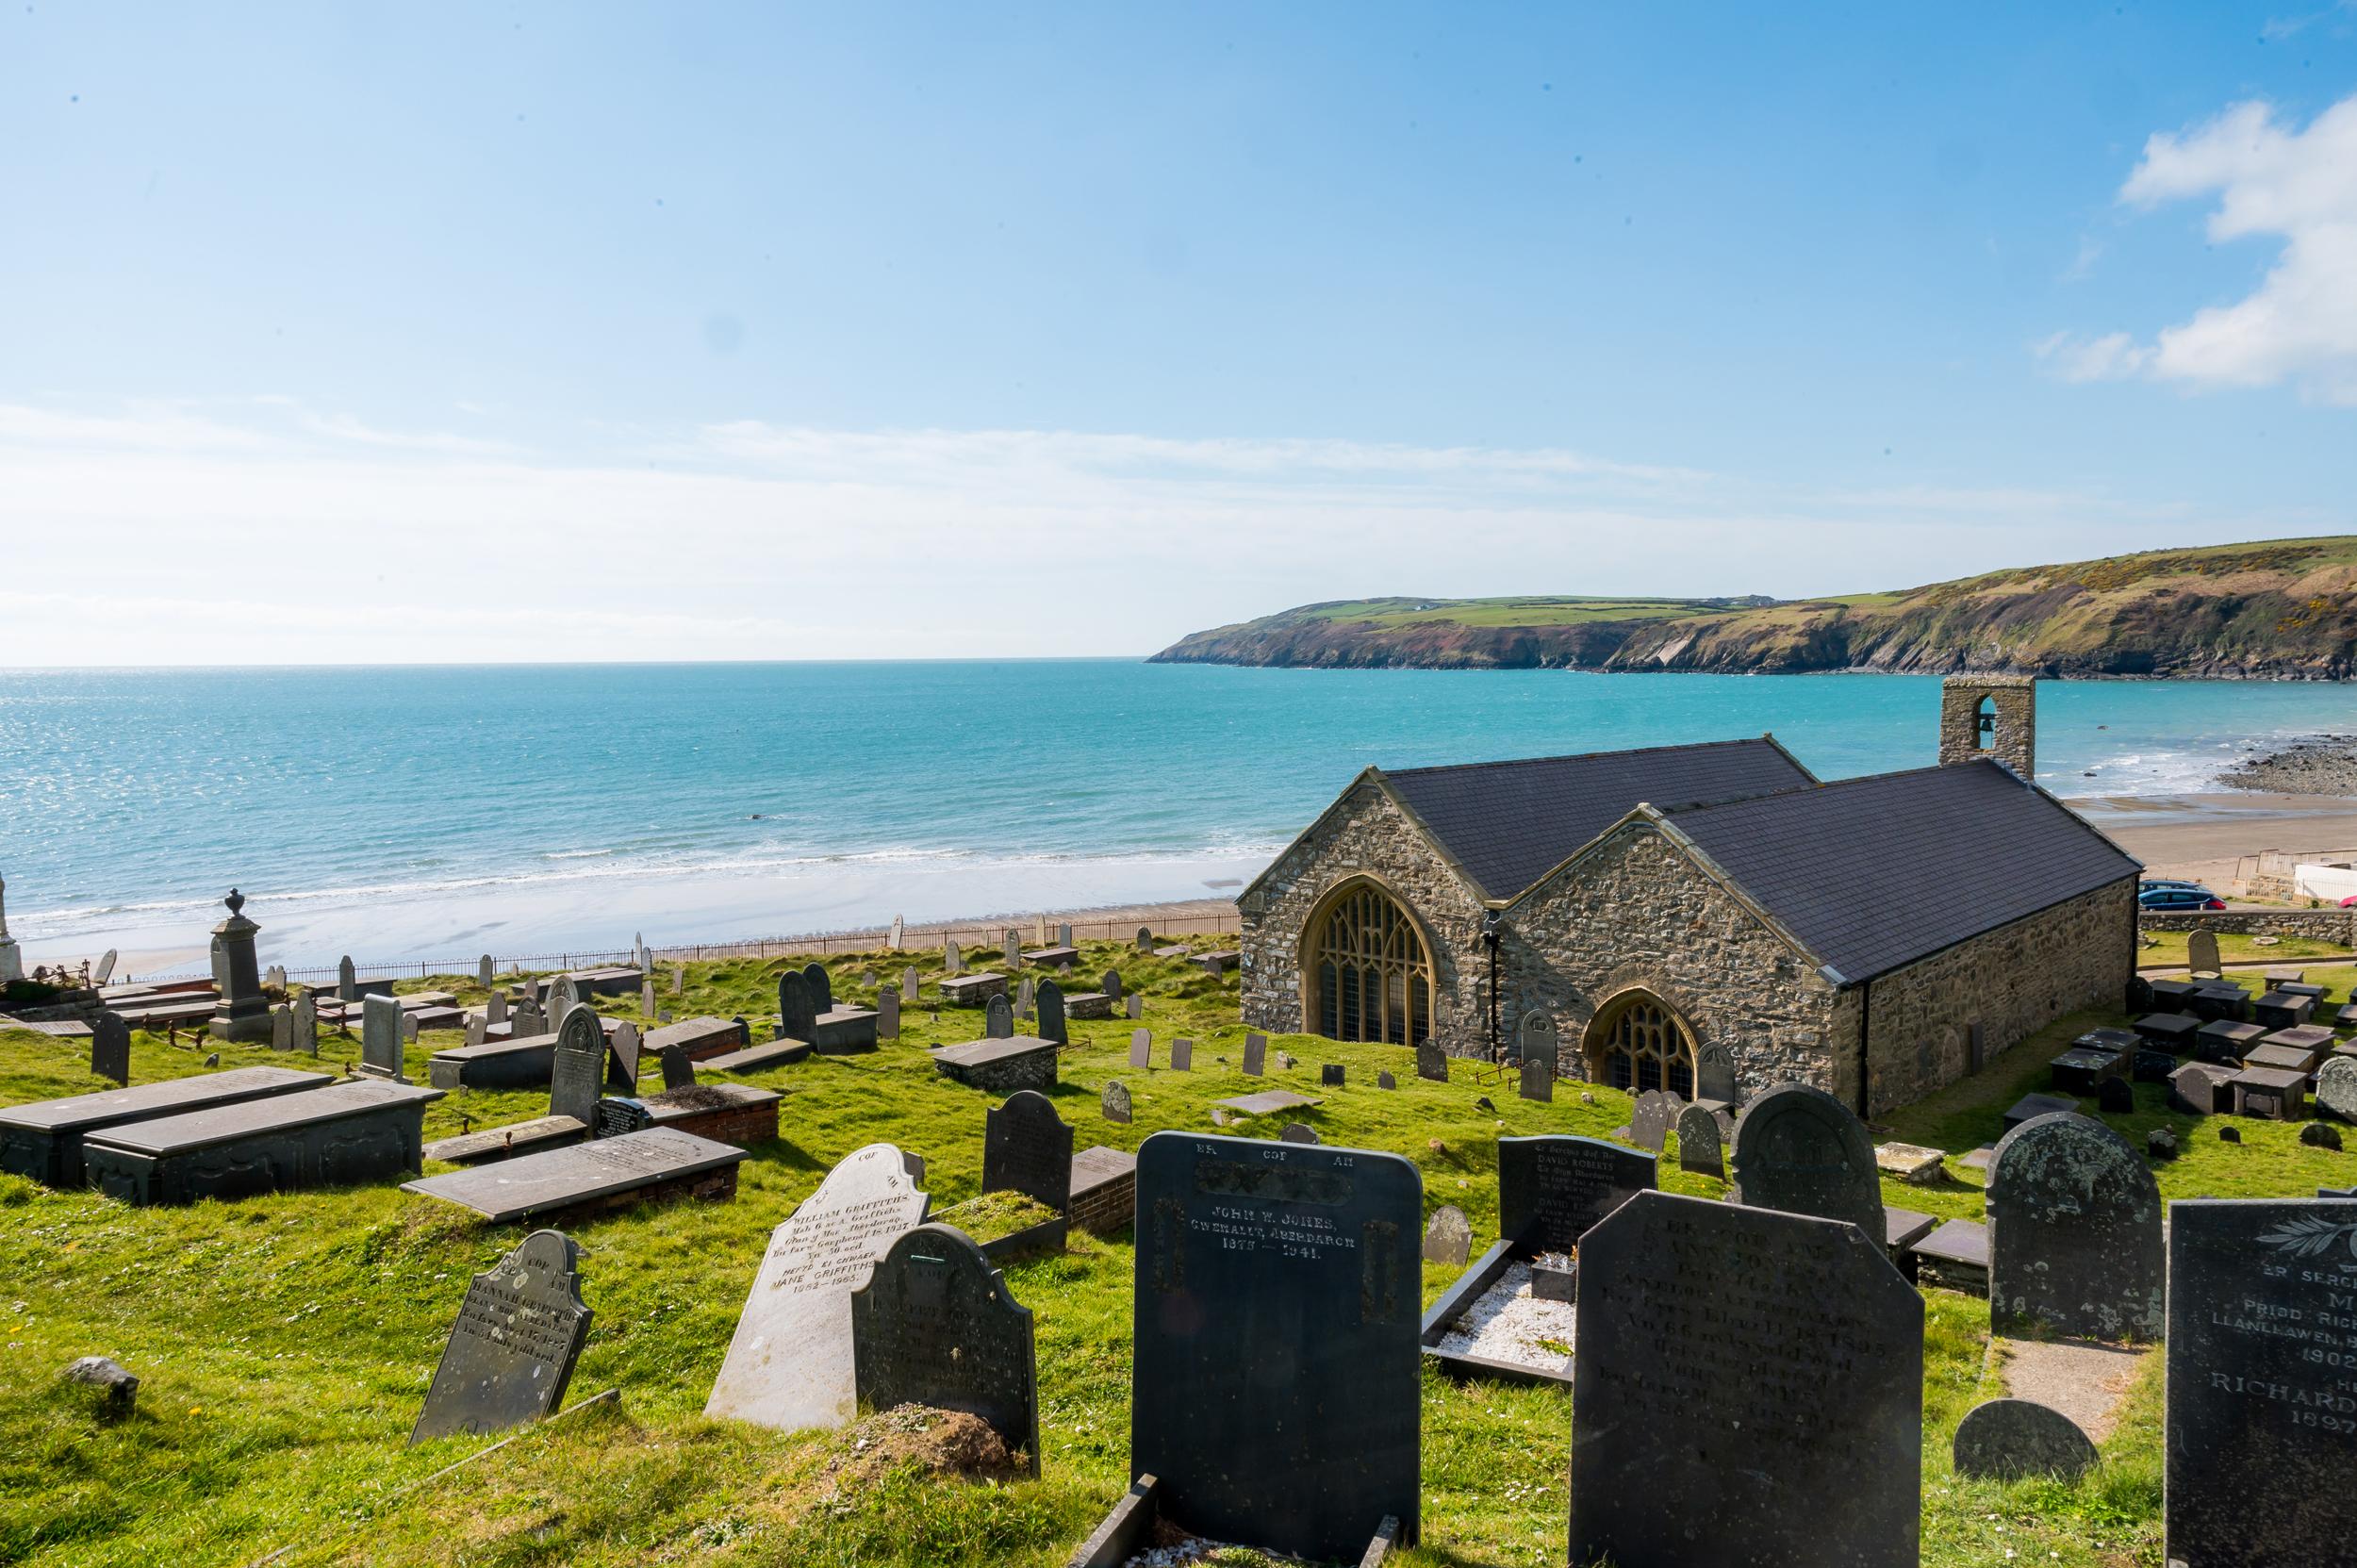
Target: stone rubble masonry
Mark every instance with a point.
(2013, 701)
(2323, 925)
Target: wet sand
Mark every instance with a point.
(2202, 837)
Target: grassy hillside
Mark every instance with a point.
(285, 1342)
(2285, 608)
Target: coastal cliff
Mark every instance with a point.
(2280, 610)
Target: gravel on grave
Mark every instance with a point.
(1508, 1323)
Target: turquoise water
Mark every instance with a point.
(438, 810)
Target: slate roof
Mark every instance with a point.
(1509, 823)
(1873, 873)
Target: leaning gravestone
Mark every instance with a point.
(2336, 1087)
(1650, 1120)
(1552, 1189)
(1749, 1389)
(1432, 1061)
(1298, 1133)
(2006, 1440)
(110, 1048)
(1048, 1001)
(789, 1365)
(1276, 1385)
(1538, 1077)
(1255, 1055)
(1800, 1149)
(1027, 1149)
(998, 1019)
(622, 1071)
(2261, 1430)
(1448, 1237)
(935, 1326)
(888, 1013)
(1114, 1102)
(511, 1350)
(578, 1075)
(2074, 1233)
(1697, 1143)
(106, 971)
(679, 1072)
(381, 1020)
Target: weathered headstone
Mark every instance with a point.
(821, 987)
(2336, 1087)
(1552, 1188)
(1698, 1152)
(1534, 1035)
(578, 1075)
(1145, 939)
(646, 998)
(1331, 1074)
(1383, 1080)
(110, 1048)
(2006, 1440)
(1651, 1119)
(2114, 1097)
(380, 1038)
(952, 958)
(282, 1027)
(1538, 1077)
(1027, 1148)
(106, 971)
(679, 1070)
(899, 934)
(622, 1072)
(274, 978)
(1799, 1150)
(998, 1019)
(306, 1025)
(1114, 1102)
(1432, 1061)
(495, 1010)
(2261, 1430)
(1064, 934)
(1134, 1006)
(2074, 1233)
(1277, 1384)
(798, 1012)
(1111, 985)
(2201, 954)
(1183, 1055)
(347, 979)
(1298, 1133)
(2321, 1135)
(1448, 1237)
(484, 971)
(679, 979)
(1255, 1055)
(937, 1326)
(1748, 1390)
(888, 1013)
(909, 982)
(478, 1031)
(1141, 1047)
(511, 1350)
(789, 1365)
(1023, 997)
(1050, 1024)
(1013, 953)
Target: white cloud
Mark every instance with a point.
(2272, 181)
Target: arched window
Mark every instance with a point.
(1985, 724)
(1641, 1044)
(1372, 976)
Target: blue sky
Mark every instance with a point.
(756, 331)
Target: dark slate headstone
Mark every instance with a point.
(679, 1069)
(2114, 1097)
(1655, 1114)
(1800, 1149)
(110, 1048)
(510, 1354)
(798, 1012)
(2005, 1440)
(1332, 1074)
(580, 1070)
(1552, 1189)
(617, 1115)
(1048, 1000)
(2321, 1135)
(1714, 1074)
(1383, 1080)
(1538, 1077)
(1534, 1036)
(1027, 1149)
(998, 1019)
(1114, 1102)
(936, 1327)
(2261, 1431)
(2074, 1233)
(1448, 1237)
(1255, 1055)
(1183, 1055)
(1749, 1389)
(2197, 1089)
(1298, 1133)
(821, 988)
(621, 1067)
(1432, 1061)
(1277, 1384)
(2229, 1134)
(1112, 986)
(1140, 1048)
(1697, 1143)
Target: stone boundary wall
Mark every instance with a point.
(2324, 924)
(2011, 981)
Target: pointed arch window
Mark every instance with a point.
(1372, 974)
(1642, 1046)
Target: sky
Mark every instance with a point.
(362, 333)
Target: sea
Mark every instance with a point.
(435, 811)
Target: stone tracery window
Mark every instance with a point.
(1644, 1047)
(1371, 976)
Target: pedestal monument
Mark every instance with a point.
(244, 1011)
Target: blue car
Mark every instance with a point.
(2177, 896)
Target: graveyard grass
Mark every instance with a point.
(284, 1342)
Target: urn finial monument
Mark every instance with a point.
(244, 1011)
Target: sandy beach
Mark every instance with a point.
(2203, 837)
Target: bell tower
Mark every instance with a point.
(1990, 715)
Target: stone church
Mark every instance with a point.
(1709, 920)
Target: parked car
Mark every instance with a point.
(2349, 902)
(2177, 896)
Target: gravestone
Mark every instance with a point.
(998, 1019)
(2201, 954)
(888, 1014)
(1183, 1055)
(1027, 1149)
(2229, 1134)
(483, 971)
(530, 1022)
(1448, 1237)
(798, 1013)
(511, 1350)
(2074, 1233)
(1383, 1080)
(646, 998)
(1432, 1061)
(478, 1031)
(899, 934)
(1024, 995)
(408, 1028)
(1552, 1188)
(1064, 934)
(1255, 1055)
(1331, 1074)
(952, 960)
(910, 981)
(2006, 1440)
(2261, 1428)
(1297, 1133)
(1799, 1150)
(2114, 1097)
(935, 1326)
(380, 1038)
(2321, 1135)
(622, 1071)
(1141, 1047)
(1714, 1074)
(274, 978)
(106, 971)
(1013, 953)
(1112, 986)
(1748, 1390)
(679, 1070)
(2336, 1087)
(1048, 999)
(1144, 940)
(821, 988)
(1277, 1380)
(282, 1027)
(1697, 1143)
(578, 1074)
(679, 979)
(495, 1011)
(1133, 1005)
(1114, 1102)
(347, 979)
(789, 1365)
(110, 1048)
(1538, 1077)
(1650, 1120)
(306, 1025)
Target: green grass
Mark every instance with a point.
(2168, 946)
(1529, 610)
(285, 1342)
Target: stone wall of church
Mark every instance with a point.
(1637, 912)
(1368, 836)
(2013, 981)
